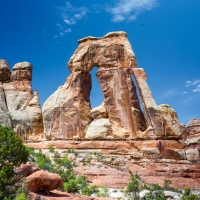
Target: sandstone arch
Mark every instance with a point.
(114, 57)
(67, 113)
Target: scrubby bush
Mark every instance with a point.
(51, 149)
(21, 196)
(167, 183)
(12, 153)
(188, 196)
(156, 192)
(71, 186)
(43, 161)
(133, 188)
(64, 162)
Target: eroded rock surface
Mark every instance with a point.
(162, 121)
(4, 113)
(66, 113)
(4, 70)
(192, 140)
(20, 106)
(170, 122)
(99, 129)
(111, 51)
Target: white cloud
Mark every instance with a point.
(185, 92)
(70, 21)
(72, 14)
(130, 9)
(195, 84)
(197, 89)
(69, 30)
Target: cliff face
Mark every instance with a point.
(20, 107)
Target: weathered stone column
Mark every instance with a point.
(121, 102)
(151, 110)
(23, 106)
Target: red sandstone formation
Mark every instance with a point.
(21, 107)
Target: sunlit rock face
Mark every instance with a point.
(192, 140)
(170, 122)
(121, 102)
(4, 113)
(4, 70)
(22, 71)
(66, 113)
(22, 106)
(111, 51)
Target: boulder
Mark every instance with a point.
(99, 112)
(43, 181)
(26, 169)
(170, 122)
(99, 129)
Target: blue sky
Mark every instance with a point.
(165, 36)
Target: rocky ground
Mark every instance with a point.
(104, 168)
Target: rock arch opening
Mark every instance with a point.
(96, 95)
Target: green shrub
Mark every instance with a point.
(70, 150)
(64, 162)
(51, 149)
(43, 161)
(71, 186)
(156, 193)
(86, 191)
(12, 153)
(132, 189)
(188, 196)
(21, 196)
(81, 181)
(167, 183)
(56, 154)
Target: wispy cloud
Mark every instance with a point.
(130, 9)
(171, 93)
(62, 31)
(197, 89)
(185, 92)
(195, 84)
(71, 14)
